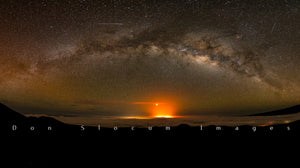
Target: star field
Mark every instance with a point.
(99, 57)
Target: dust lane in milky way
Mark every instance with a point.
(197, 57)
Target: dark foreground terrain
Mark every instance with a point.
(32, 144)
(15, 124)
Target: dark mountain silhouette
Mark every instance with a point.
(24, 125)
(9, 114)
(286, 111)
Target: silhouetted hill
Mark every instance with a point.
(31, 125)
(9, 114)
(290, 110)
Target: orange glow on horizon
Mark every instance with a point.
(165, 107)
(164, 116)
(150, 117)
(163, 110)
(267, 124)
(148, 103)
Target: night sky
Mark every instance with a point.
(149, 58)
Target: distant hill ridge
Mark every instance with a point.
(285, 111)
(9, 115)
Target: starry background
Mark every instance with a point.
(118, 58)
